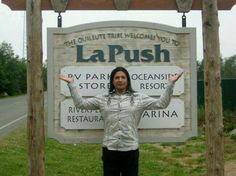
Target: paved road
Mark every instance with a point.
(12, 113)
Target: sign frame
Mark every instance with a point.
(60, 134)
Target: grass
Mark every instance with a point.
(168, 159)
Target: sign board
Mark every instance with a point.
(151, 80)
(149, 51)
(74, 118)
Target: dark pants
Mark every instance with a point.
(119, 163)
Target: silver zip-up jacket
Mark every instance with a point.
(121, 114)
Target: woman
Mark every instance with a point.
(121, 110)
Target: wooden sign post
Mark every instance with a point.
(212, 88)
(35, 116)
(213, 103)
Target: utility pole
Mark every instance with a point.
(212, 87)
(35, 116)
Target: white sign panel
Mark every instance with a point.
(151, 80)
(75, 118)
(91, 81)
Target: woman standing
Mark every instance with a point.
(121, 109)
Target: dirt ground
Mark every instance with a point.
(230, 168)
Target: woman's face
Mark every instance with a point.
(120, 81)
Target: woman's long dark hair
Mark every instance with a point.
(112, 87)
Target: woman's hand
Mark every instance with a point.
(66, 79)
(175, 77)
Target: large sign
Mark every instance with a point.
(150, 52)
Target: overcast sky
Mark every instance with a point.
(12, 25)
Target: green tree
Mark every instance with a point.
(229, 67)
(12, 71)
(6, 53)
